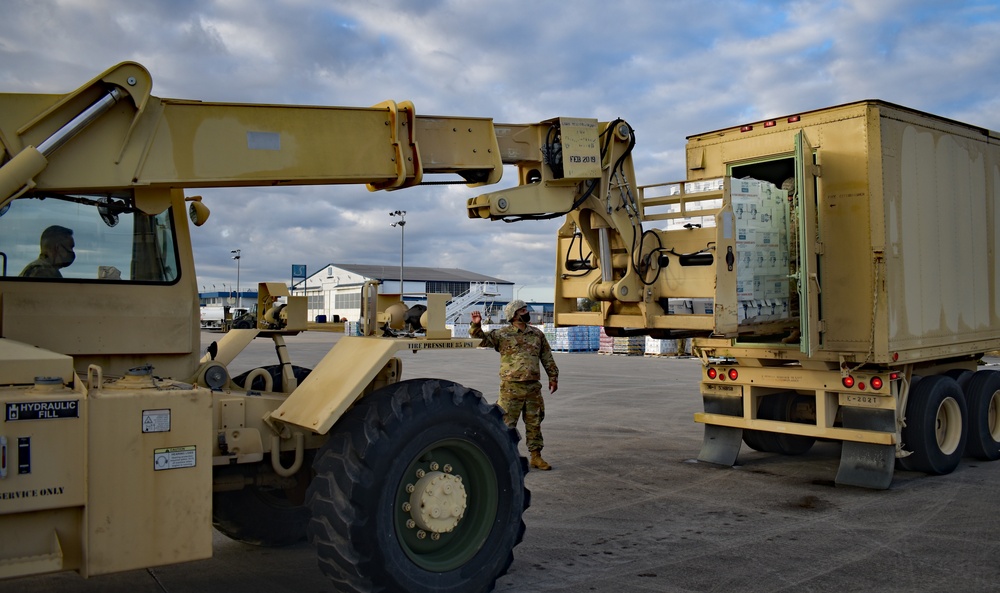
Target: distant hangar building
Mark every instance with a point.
(335, 291)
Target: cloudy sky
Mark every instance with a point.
(672, 68)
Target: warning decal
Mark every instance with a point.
(156, 421)
(174, 458)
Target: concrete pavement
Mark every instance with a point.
(627, 509)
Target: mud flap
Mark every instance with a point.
(866, 464)
(722, 443)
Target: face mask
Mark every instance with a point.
(525, 318)
(64, 257)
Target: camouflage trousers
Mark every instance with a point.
(519, 398)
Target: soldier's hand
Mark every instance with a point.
(553, 385)
(477, 317)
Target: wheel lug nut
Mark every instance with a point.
(435, 536)
(410, 488)
(406, 507)
(434, 466)
(447, 468)
(410, 523)
(421, 534)
(420, 473)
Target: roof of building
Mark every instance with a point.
(387, 272)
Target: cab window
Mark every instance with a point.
(84, 238)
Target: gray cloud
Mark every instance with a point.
(671, 69)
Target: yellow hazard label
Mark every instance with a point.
(174, 457)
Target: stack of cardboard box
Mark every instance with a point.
(762, 252)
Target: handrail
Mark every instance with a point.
(680, 196)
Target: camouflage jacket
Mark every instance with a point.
(40, 268)
(521, 351)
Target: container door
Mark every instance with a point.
(807, 275)
(725, 306)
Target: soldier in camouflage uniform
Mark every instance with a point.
(522, 349)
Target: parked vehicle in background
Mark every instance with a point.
(214, 316)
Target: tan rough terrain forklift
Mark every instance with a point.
(122, 443)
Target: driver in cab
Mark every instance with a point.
(56, 253)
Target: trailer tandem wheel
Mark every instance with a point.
(935, 430)
(754, 440)
(982, 395)
(377, 522)
(783, 407)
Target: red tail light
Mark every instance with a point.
(733, 374)
(712, 373)
(876, 383)
(848, 381)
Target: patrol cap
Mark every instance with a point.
(512, 307)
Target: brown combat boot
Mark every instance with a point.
(537, 462)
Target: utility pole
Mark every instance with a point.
(401, 223)
(239, 297)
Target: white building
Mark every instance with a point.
(335, 290)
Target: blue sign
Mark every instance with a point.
(298, 271)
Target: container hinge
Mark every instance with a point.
(822, 326)
(820, 248)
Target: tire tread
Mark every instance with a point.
(346, 475)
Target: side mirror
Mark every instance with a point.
(198, 212)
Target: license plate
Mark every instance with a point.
(722, 389)
(862, 401)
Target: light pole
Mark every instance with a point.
(400, 223)
(239, 297)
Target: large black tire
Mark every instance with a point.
(243, 323)
(962, 376)
(264, 516)
(779, 406)
(935, 431)
(754, 440)
(378, 452)
(982, 395)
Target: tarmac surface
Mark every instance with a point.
(628, 509)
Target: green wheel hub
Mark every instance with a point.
(445, 505)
